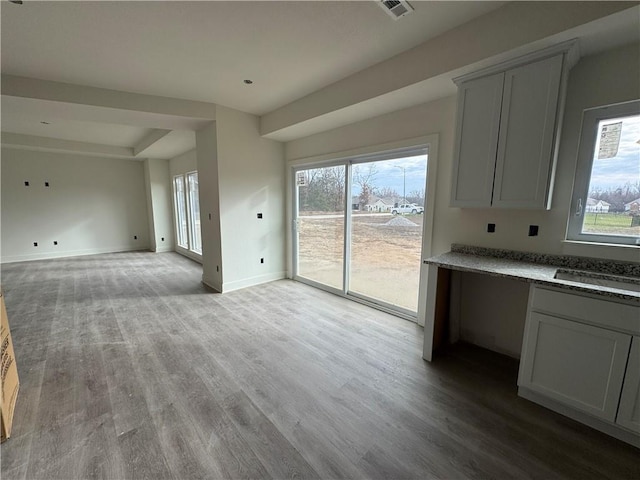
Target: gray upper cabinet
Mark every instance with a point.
(506, 134)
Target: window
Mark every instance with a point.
(606, 192)
(194, 212)
(187, 210)
(181, 211)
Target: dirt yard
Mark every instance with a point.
(385, 259)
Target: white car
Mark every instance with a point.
(407, 208)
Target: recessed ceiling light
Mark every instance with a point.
(45, 123)
(248, 82)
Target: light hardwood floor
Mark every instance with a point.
(129, 368)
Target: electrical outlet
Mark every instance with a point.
(46, 184)
(135, 237)
(491, 227)
(259, 215)
(55, 242)
(162, 239)
(35, 244)
(217, 268)
(533, 230)
(26, 184)
(262, 260)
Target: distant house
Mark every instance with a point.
(632, 206)
(597, 206)
(377, 204)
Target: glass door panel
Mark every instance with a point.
(386, 230)
(194, 212)
(181, 211)
(320, 225)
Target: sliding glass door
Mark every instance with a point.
(358, 227)
(386, 230)
(320, 225)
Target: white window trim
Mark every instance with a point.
(584, 164)
(190, 220)
(188, 249)
(177, 213)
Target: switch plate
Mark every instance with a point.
(491, 227)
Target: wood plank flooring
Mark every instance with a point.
(130, 369)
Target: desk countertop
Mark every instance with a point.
(519, 266)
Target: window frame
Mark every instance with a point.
(178, 211)
(188, 212)
(586, 149)
(192, 215)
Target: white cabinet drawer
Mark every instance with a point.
(614, 315)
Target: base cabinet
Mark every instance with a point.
(579, 365)
(629, 410)
(583, 362)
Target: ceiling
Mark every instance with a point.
(199, 51)
(204, 50)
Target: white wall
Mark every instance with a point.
(93, 205)
(187, 162)
(159, 208)
(605, 78)
(492, 312)
(597, 80)
(209, 189)
(251, 181)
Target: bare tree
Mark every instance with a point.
(364, 177)
(416, 196)
(386, 192)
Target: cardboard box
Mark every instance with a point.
(9, 372)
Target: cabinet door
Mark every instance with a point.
(578, 365)
(527, 134)
(478, 121)
(629, 411)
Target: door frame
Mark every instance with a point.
(348, 158)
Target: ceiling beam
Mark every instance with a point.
(148, 140)
(15, 86)
(508, 31)
(34, 142)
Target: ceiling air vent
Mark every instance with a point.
(396, 8)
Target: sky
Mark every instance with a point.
(390, 175)
(625, 166)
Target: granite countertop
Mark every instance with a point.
(541, 269)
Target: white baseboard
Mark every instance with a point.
(250, 282)
(213, 285)
(71, 253)
(189, 254)
(164, 249)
